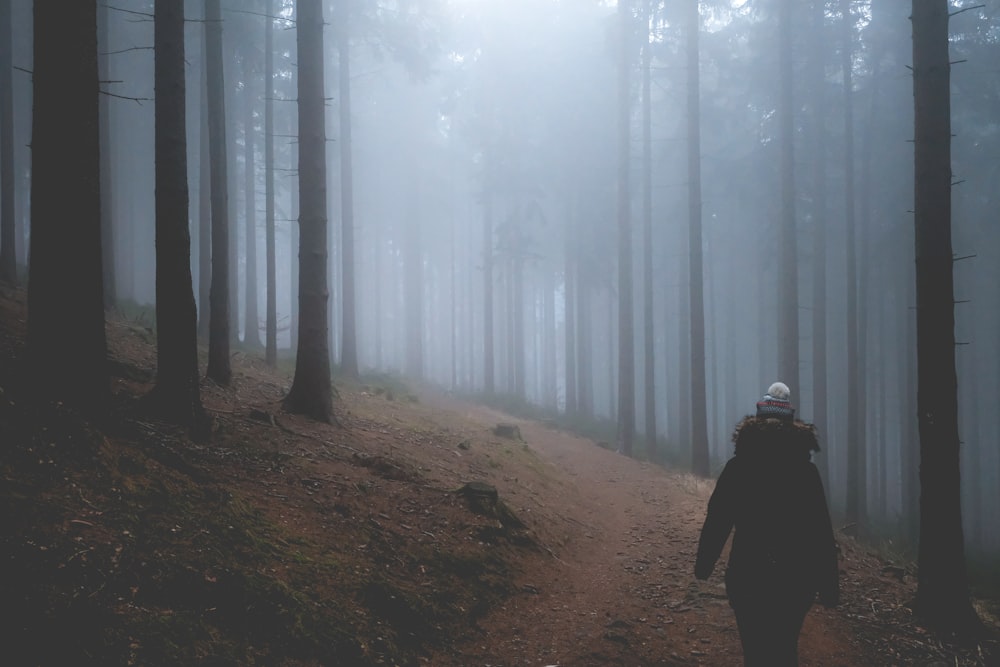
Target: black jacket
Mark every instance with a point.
(772, 494)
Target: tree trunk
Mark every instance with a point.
(584, 343)
(489, 385)
(176, 394)
(550, 385)
(311, 392)
(817, 76)
(271, 327)
(649, 365)
(66, 346)
(910, 458)
(204, 209)
(219, 369)
(569, 306)
(8, 233)
(251, 327)
(626, 357)
(349, 343)
(699, 416)
(104, 111)
(232, 188)
(856, 469)
(413, 292)
(942, 586)
(517, 340)
(788, 278)
(452, 290)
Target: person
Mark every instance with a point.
(783, 553)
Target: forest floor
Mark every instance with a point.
(280, 541)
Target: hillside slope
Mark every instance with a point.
(280, 541)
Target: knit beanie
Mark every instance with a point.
(775, 403)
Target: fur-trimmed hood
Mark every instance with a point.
(770, 438)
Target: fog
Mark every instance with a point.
(484, 200)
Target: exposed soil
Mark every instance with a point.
(281, 541)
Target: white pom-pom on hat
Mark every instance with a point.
(780, 391)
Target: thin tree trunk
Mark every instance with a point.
(856, 473)
(413, 292)
(232, 198)
(489, 385)
(649, 358)
(8, 233)
(251, 323)
(517, 318)
(550, 385)
(311, 390)
(271, 327)
(699, 417)
(104, 111)
(585, 342)
(176, 393)
(251, 326)
(942, 585)
(819, 197)
(204, 209)
(219, 369)
(569, 306)
(377, 341)
(788, 280)
(626, 357)
(452, 292)
(349, 342)
(910, 459)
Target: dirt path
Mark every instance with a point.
(619, 588)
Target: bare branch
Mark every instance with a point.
(137, 100)
(267, 16)
(965, 9)
(129, 11)
(131, 48)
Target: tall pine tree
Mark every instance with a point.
(67, 349)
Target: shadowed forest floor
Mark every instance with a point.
(285, 542)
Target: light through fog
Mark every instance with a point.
(485, 181)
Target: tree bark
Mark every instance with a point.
(649, 356)
(218, 331)
(251, 324)
(349, 342)
(311, 391)
(8, 233)
(67, 349)
(699, 412)
(569, 307)
(626, 357)
(271, 327)
(413, 291)
(176, 394)
(942, 586)
(817, 76)
(107, 194)
(856, 470)
(489, 385)
(204, 209)
(788, 285)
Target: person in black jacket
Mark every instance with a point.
(783, 553)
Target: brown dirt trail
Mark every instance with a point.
(619, 589)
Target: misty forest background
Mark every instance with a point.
(473, 178)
